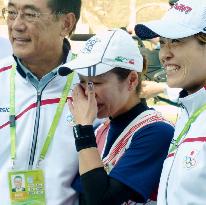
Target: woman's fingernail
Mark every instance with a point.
(90, 85)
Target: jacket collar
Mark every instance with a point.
(193, 101)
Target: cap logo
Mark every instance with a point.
(182, 8)
(90, 44)
(124, 60)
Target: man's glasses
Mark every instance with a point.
(29, 16)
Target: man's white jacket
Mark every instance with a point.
(183, 179)
(61, 163)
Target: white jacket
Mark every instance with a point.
(5, 49)
(61, 163)
(183, 179)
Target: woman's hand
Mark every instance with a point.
(83, 108)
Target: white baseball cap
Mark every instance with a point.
(105, 51)
(185, 18)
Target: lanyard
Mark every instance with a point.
(187, 127)
(12, 112)
(55, 121)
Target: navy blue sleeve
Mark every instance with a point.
(140, 166)
(76, 184)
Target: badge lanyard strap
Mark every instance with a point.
(54, 122)
(187, 127)
(56, 118)
(12, 113)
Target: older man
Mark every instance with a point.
(35, 138)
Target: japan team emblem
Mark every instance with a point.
(190, 160)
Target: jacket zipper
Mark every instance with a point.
(175, 154)
(35, 134)
(36, 125)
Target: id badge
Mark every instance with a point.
(27, 187)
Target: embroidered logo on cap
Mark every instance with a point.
(182, 8)
(124, 60)
(90, 44)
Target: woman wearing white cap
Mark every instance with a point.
(109, 68)
(183, 54)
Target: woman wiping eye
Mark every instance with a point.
(123, 162)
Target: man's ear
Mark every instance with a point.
(68, 24)
(133, 80)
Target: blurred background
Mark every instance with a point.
(100, 14)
